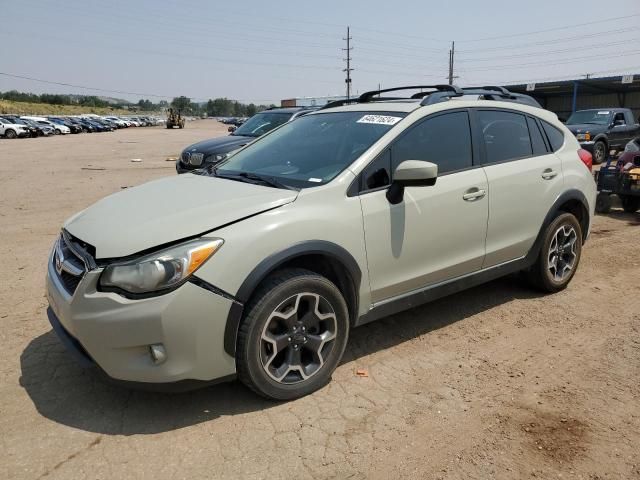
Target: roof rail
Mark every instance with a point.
(368, 96)
(442, 93)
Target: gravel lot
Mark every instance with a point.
(495, 382)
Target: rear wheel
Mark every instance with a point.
(630, 204)
(599, 152)
(293, 335)
(10, 133)
(559, 255)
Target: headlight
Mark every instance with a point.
(218, 157)
(583, 136)
(162, 270)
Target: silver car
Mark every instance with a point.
(259, 267)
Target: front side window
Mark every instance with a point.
(505, 134)
(444, 140)
(313, 149)
(262, 123)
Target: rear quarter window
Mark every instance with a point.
(555, 135)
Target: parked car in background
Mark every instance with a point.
(33, 131)
(65, 121)
(117, 121)
(8, 129)
(59, 129)
(603, 129)
(210, 152)
(44, 130)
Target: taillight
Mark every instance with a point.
(586, 158)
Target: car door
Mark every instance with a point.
(525, 178)
(619, 131)
(437, 232)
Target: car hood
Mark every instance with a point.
(586, 127)
(169, 209)
(219, 144)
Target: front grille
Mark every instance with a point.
(185, 157)
(69, 265)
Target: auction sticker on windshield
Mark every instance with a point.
(380, 119)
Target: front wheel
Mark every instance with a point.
(599, 152)
(630, 204)
(293, 335)
(559, 255)
(10, 134)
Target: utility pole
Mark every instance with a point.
(348, 60)
(451, 56)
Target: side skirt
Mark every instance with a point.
(433, 292)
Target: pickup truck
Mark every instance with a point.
(603, 129)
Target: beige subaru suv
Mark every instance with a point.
(259, 267)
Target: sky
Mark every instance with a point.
(265, 51)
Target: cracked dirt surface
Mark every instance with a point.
(495, 382)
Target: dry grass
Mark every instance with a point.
(26, 108)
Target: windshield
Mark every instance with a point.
(597, 117)
(312, 150)
(262, 123)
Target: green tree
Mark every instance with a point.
(181, 103)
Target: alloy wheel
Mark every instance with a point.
(562, 252)
(298, 337)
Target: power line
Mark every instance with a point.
(521, 34)
(50, 82)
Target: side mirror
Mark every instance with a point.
(232, 128)
(411, 173)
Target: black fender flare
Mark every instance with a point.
(567, 196)
(270, 264)
(602, 137)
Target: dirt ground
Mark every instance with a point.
(495, 382)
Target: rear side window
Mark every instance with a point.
(505, 134)
(555, 136)
(444, 140)
(537, 141)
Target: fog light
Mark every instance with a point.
(158, 353)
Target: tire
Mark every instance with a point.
(603, 203)
(10, 133)
(630, 204)
(286, 358)
(599, 152)
(563, 234)
(57, 132)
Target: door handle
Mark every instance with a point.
(549, 173)
(474, 194)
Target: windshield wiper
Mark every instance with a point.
(252, 178)
(266, 180)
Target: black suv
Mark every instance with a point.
(214, 150)
(602, 129)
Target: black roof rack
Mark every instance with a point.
(368, 96)
(442, 93)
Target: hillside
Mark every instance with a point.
(25, 108)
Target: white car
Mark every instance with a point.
(57, 128)
(260, 267)
(12, 130)
(120, 123)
